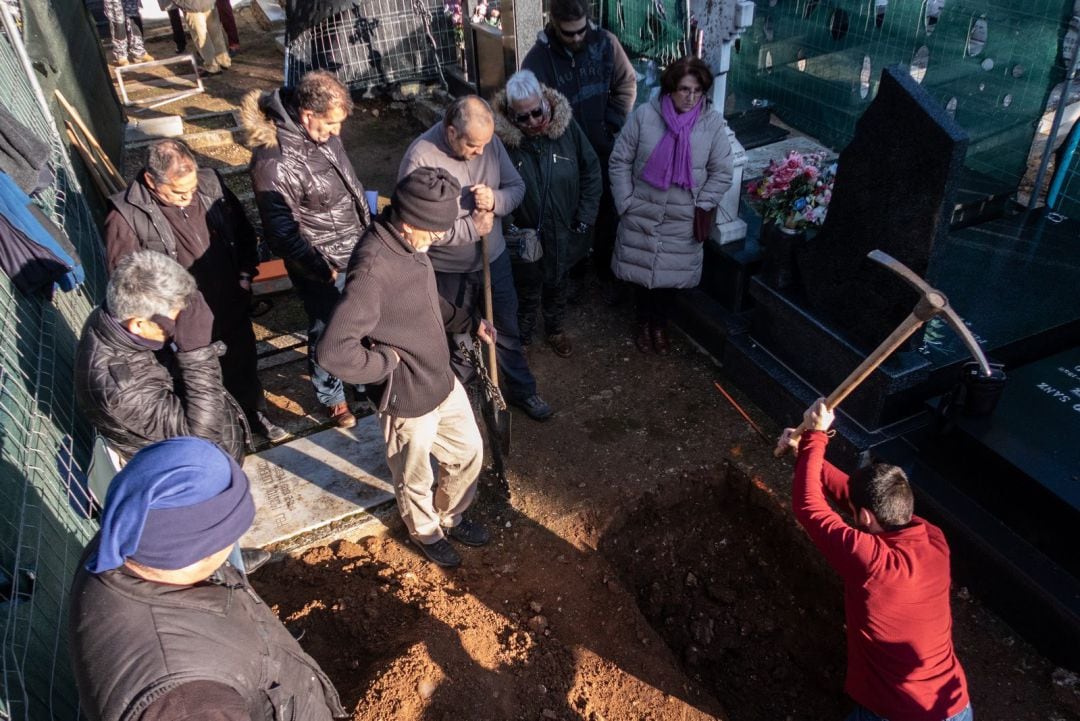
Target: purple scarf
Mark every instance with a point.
(672, 158)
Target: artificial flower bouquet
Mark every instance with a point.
(795, 192)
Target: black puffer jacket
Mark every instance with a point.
(133, 399)
(134, 641)
(311, 203)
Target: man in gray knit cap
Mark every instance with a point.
(389, 333)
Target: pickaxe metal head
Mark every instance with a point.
(932, 302)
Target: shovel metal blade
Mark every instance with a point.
(497, 421)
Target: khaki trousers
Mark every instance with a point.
(209, 39)
(448, 433)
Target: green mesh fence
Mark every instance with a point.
(44, 444)
(653, 29)
(992, 63)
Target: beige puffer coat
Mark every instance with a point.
(655, 246)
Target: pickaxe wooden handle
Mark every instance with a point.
(931, 303)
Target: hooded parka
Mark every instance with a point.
(562, 159)
(655, 246)
(311, 203)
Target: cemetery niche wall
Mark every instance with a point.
(992, 64)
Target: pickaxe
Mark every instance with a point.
(931, 303)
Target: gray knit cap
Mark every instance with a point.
(427, 199)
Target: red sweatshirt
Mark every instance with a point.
(901, 663)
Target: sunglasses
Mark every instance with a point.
(535, 113)
(579, 33)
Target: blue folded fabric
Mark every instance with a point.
(14, 205)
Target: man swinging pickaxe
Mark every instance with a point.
(931, 303)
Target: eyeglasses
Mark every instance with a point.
(689, 92)
(436, 235)
(536, 113)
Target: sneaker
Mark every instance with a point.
(268, 429)
(121, 62)
(560, 344)
(469, 533)
(224, 60)
(144, 58)
(213, 69)
(534, 407)
(341, 415)
(254, 559)
(440, 553)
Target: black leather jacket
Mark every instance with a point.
(134, 400)
(311, 203)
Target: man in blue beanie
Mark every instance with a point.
(162, 628)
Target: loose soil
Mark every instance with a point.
(646, 567)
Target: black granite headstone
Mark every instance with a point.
(1036, 425)
(895, 191)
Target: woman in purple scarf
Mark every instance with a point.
(671, 157)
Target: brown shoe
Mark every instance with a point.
(560, 344)
(660, 341)
(643, 338)
(342, 416)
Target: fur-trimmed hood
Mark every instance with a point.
(261, 114)
(511, 136)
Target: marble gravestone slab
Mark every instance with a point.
(1036, 425)
(310, 482)
(895, 191)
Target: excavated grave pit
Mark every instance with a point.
(740, 596)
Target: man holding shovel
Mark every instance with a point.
(389, 333)
(463, 144)
(895, 567)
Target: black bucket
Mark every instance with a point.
(977, 395)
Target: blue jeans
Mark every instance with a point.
(319, 299)
(465, 290)
(863, 714)
(236, 558)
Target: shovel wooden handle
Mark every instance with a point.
(888, 346)
(489, 314)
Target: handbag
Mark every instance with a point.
(704, 220)
(525, 244)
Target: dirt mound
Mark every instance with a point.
(531, 628)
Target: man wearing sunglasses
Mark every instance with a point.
(588, 65)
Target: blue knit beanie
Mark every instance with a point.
(176, 502)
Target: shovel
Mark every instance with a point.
(498, 420)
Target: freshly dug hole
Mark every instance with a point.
(740, 596)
